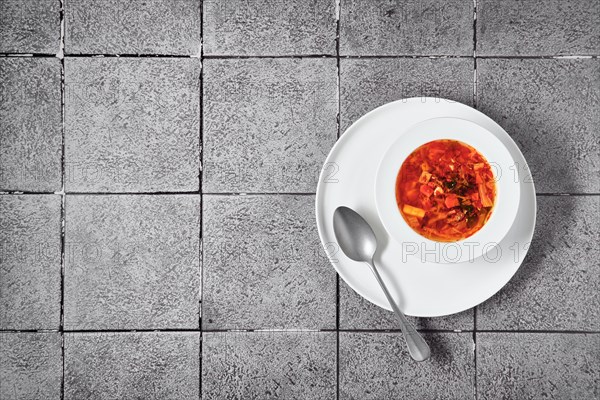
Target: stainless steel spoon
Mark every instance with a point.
(357, 240)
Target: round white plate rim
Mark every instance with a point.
(456, 129)
(436, 108)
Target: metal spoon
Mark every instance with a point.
(358, 242)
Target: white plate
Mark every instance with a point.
(507, 188)
(421, 288)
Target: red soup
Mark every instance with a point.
(445, 190)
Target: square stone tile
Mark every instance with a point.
(406, 27)
(558, 285)
(270, 28)
(132, 124)
(30, 124)
(377, 366)
(133, 27)
(268, 123)
(538, 28)
(550, 107)
(132, 262)
(30, 366)
(358, 313)
(369, 83)
(538, 366)
(30, 262)
(30, 26)
(148, 365)
(269, 365)
(264, 267)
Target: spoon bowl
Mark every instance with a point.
(348, 225)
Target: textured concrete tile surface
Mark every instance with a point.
(30, 270)
(377, 366)
(132, 262)
(358, 313)
(550, 107)
(133, 27)
(538, 366)
(272, 27)
(148, 365)
(369, 83)
(29, 26)
(538, 28)
(558, 285)
(264, 266)
(30, 124)
(407, 27)
(30, 366)
(269, 365)
(229, 283)
(268, 123)
(132, 124)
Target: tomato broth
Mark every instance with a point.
(445, 190)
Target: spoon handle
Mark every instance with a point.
(417, 347)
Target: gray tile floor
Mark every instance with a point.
(158, 163)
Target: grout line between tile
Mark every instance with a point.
(131, 56)
(566, 332)
(474, 28)
(475, 53)
(17, 193)
(60, 56)
(398, 330)
(475, 352)
(245, 57)
(163, 330)
(337, 334)
(258, 194)
(338, 7)
(572, 332)
(566, 194)
(523, 57)
(405, 56)
(62, 286)
(200, 185)
(339, 77)
(475, 97)
(167, 330)
(27, 55)
(30, 331)
(129, 193)
(291, 56)
(339, 101)
(475, 391)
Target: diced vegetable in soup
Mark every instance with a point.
(445, 190)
